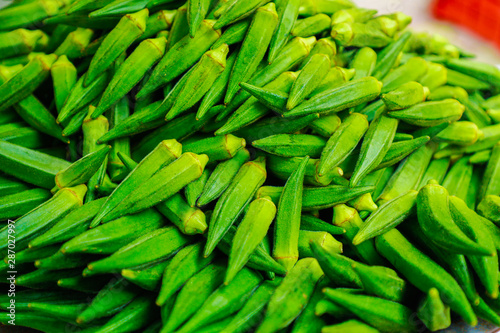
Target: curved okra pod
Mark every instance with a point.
(406, 95)
(185, 264)
(389, 55)
(376, 144)
(157, 23)
(180, 57)
(197, 10)
(15, 205)
(359, 35)
(295, 291)
(274, 99)
(249, 235)
(400, 150)
(292, 145)
(130, 72)
(326, 125)
(382, 314)
(236, 10)
(310, 77)
(118, 8)
(387, 216)
(460, 133)
(154, 246)
(458, 178)
(348, 95)
(430, 113)
(348, 218)
(21, 41)
(71, 225)
(490, 184)
(364, 62)
(26, 14)
(322, 238)
(233, 34)
(408, 260)
(147, 278)
(75, 43)
(64, 77)
(311, 26)
(226, 300)
(437, 223)
(342, 142)
(287, 13)
(311, 223)
(482, 71)
(256, 42)
(230, 205)
(216, 148)
(166, 152)
(413, 70)
(162, 185)
(436, 170)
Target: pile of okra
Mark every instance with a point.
(228, 166)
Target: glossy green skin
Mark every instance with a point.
(469, 83)
(287, 12)
(44, 279)
(196, 12)
(230, 205)
(64, 76)
(185, 264)
(294, 292)
(364, 62)
(194, 189)
(11, 186)
(118, 8)
(359, 35)
(28, 13)
(217, 148)
(72, 225)
(193, 294)
(180, 57)
(430, 113)
(311, 26)
(226, 300)
(253, 48)
(413, 70)
(30, 254)
(382, 314)
(110, 300)
(488, 207)
(490, 184)
(109, 237)
(75, 43)
(348, 95)
(311, 223)
(436, 170)
(308, 321)
(235, 33)
(15, 205)
(406, 95)
(81, 284)
(59, 261)
(458, 178)
(387, 216)
(148, 278)
(437, 75)
(400, 150)
(481, 71)
(423, 272)
(292, 145)
(473, 226)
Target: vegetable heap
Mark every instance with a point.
(243, 166)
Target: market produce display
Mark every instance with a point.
(243, 166)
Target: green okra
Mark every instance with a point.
(287, 14)
(308, 320)
(25, 81)
(481, 157)
(321, 238)
(292, 145)
(197, 10)
(250, 313)
(216, 93)
(170, 239)
(30, 254)
(230, 205)
(433, 313)
(325, 46)
(326, 125)
(359, 35)
(256, 42)
(488, 140)
(437, 223)
(311, 223)
(118, 8)
(165, 152)
(29, 13)
(351, 325)
(458, 178)
(158, 22)
(376, 144)
(217, 148)
(435, 77)
(82, 170)
(384, 24)
(75, 123)
(310, 26)
(147, 278)
(487, 312)
(400, 150)
(373, 110)
(235, 33)
(405, 96)
(472, 225)
(82, 96)
(185, 264)
(475, 113)
(353, 15)
(250, 233)
(64, 312)
(324, 306)
(458, 79)
(310, 77)
(221, 177)
(162, 185)
(44, 279)
(59, 261)
(484, 72)
(474, 185)
(275, 125)
(408, 174)
(430, 113)
(64, 75)
(387, 58)
(179, 28)
(488, 208)
(134, 316)
(236, 11)
(20, 41)
(387, 216)
(130, 72)
(413, 70)
(82, 20)
(273, 99)
(109, 237)
(117, 170)
(494, 115)
(337, 268)
(329, 7)
(86, 5)
(224, 301)
(342, 142)
(349, 219)
(71, 225)
(75, 43)
(295, 290)
(491, 179)
(364, 62)
(382, 314)
(460, 133)
(180, 57)
(348, 95)
(15, 205)
(407, 259)
(292, 53)
(38, 321)
(364, 203)
(194, 189)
